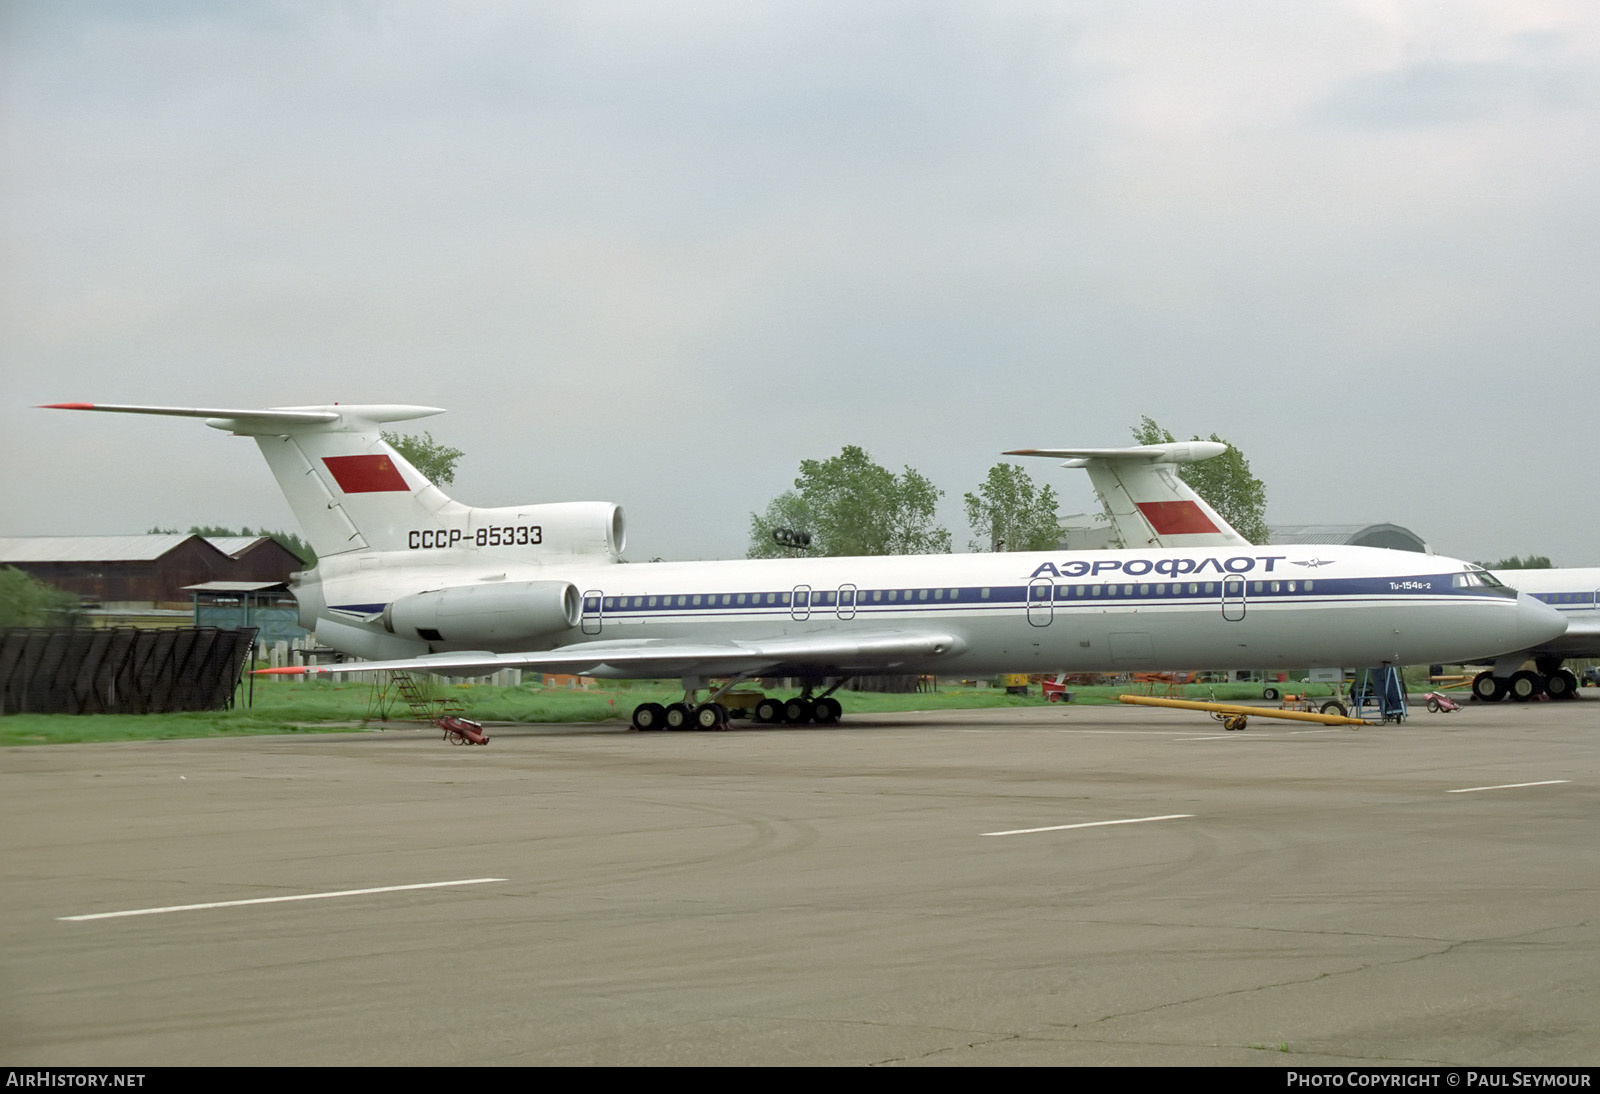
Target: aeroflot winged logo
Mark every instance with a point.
(373, 474)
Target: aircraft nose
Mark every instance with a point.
(1537, 621)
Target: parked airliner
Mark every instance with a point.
(1150, 505)
(411, 579)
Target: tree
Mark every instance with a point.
(1532, 562)
(28, 602)
(1011, 513)
(1225, 482)
(436, 461)
(850, 505)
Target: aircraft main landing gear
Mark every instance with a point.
(822, 710)
(690, 713)
(1526, 685)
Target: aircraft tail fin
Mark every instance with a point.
(1150, 505)
(349, 489)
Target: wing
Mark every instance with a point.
(831, 655)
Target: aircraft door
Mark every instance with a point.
(1233, 598)
(800, 602)
(592, 602)
(847, 601)
(1041, 601)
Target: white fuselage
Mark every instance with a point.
(1192, 608)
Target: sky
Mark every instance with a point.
(659, 253)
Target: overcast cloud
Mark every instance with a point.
(658, 253)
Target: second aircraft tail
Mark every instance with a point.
(1150, 505)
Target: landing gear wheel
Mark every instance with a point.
(649, 716)
(1333, 706)
(677, 716)
(826, 711)
(1269, 693)
(769, 711)
(1525, 685)
(711, 716)
(798, 711)
(1488, 688)
(1561, 684)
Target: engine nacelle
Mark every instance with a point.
(583, 528)
(532, 533)
(486, 616)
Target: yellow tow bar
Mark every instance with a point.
(1235, 716)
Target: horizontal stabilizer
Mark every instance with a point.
(279, 420)
(1173, 452)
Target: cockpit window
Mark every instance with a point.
(1480, 579)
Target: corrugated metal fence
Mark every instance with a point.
(121, 670)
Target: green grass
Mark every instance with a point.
(328, 706)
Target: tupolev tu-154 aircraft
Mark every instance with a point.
(1150, 505)
(410, 579)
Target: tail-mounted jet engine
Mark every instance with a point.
(485, 616)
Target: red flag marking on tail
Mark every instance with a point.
(1175, 518)
(365, 474)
